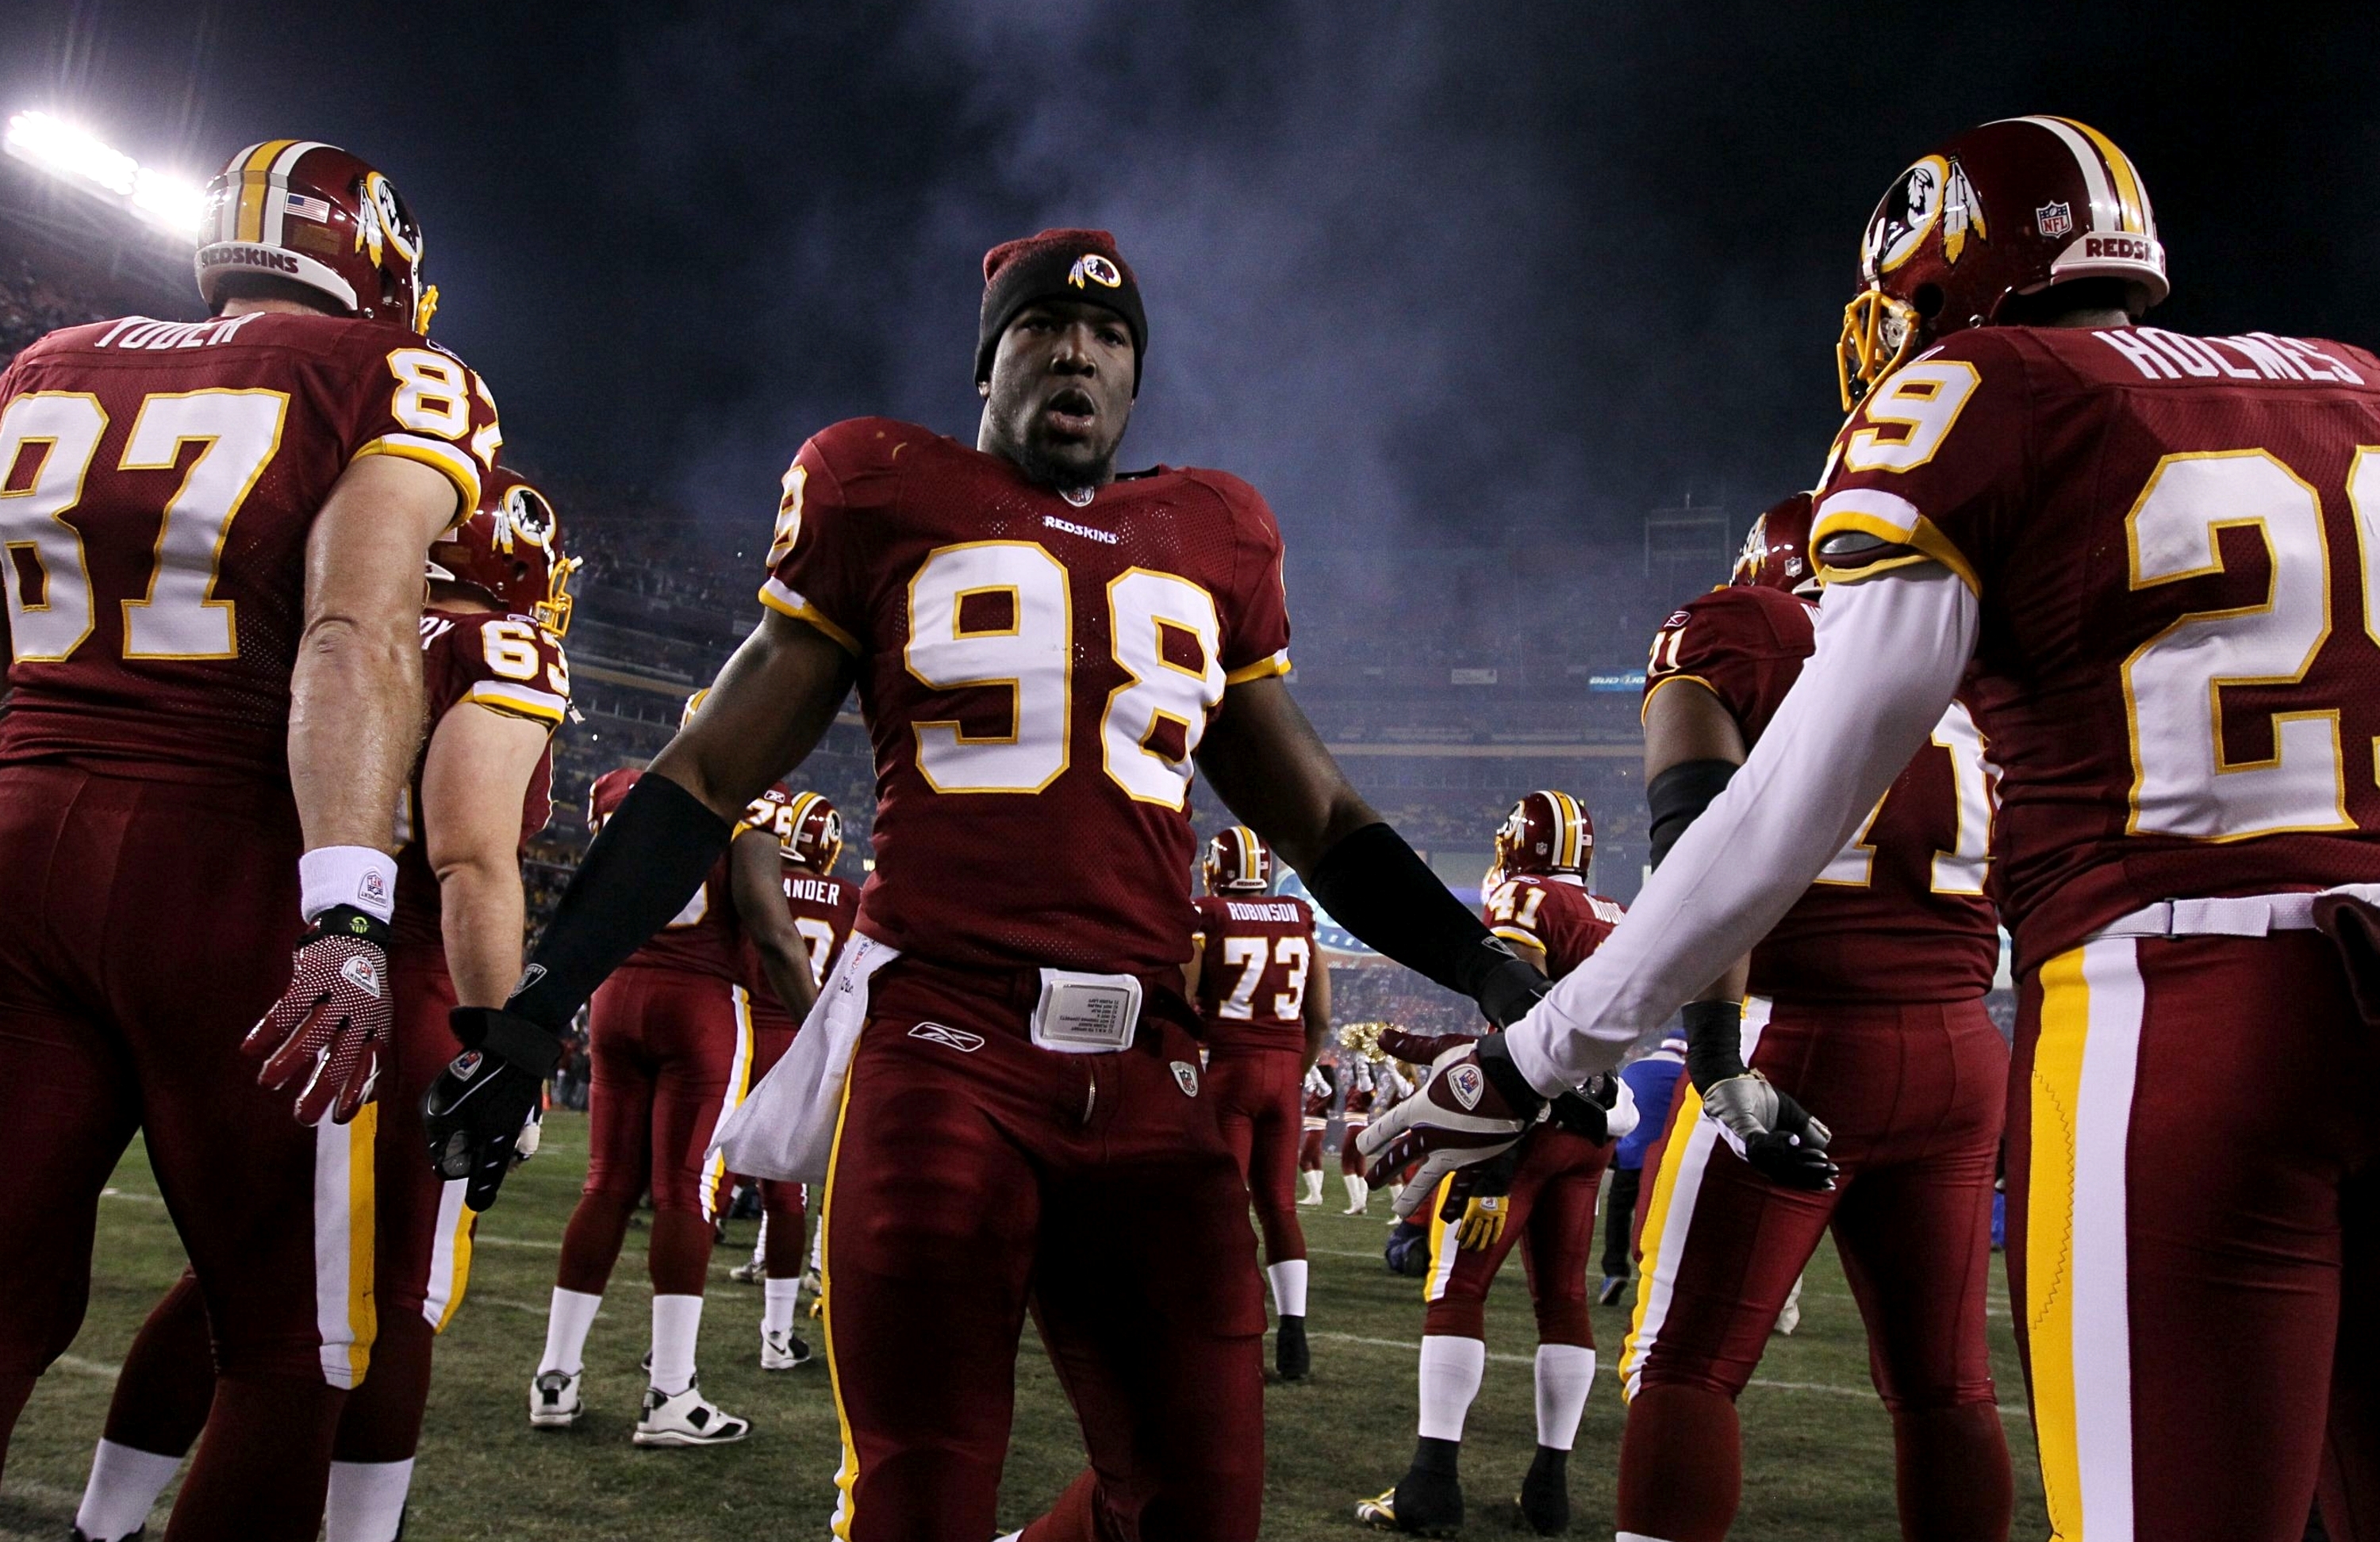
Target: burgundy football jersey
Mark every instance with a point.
(1257, 959)
(703, 938)
(503, 663)
(823, 907)
(1900, 914)
(158, 481)
(1036, 676)
(1554, 912)
(2177, 664)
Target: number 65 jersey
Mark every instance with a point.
(158, 481)
(1036, 676)
(2176, 542)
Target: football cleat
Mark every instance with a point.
(1422, 1504)
(747, 1272)
(76, 1533)
(554, 1401)
(782, 1351)
(687, 1419)
(1290, 1356)
(1545, 1493)
(1614, 1286)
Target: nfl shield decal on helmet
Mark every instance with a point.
(1185, 1077)
(2054, 219)
(1466, 1082)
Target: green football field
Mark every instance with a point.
(1817, 1459)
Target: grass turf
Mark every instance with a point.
(1817, 1444)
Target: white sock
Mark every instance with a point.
(125, 1483)
(818, 1239)
(677, 1323)
(1565, 1375)
(760, 1244)
(1635, 1536)
(777, 1307)
(1288, 1278)
(367, 1501)
(566, 1323)
(1450, 1370)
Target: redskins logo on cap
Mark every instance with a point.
(1095, 268)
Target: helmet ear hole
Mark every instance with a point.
(1927, 300)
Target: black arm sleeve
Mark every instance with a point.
(1379, 888)
(1678, 796)
(647, 860)
(1714, 1043)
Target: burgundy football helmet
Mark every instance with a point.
(1777, 550)
(1546, 832)
(2007, 209)
(814, 836)
(1237, 862)
(508, 550)
(316, 215)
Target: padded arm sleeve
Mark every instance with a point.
(645, 863)
(1889, 656)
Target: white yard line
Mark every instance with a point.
(2008, 1411)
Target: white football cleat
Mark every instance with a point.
(687, 1420)
(553, 1401)
(746, 1273)
(782, 1351)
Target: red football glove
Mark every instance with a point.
(327, 1030)
(1474, 1106)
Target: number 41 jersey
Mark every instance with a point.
(2175, 543)
(158, 481)
(1036, 676)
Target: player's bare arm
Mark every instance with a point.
(1317, 1018)
(753, 873)
(354, 724)
(771, 705)
(1194, 966)
(473, 779)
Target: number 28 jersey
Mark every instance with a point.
(1036, 676)
(158, 481)
(2176, 545)
(1900, 914)
(1255, 961)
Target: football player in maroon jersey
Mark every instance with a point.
(1043, 650)
(1866, 999)
(1540, 904)
(809, 840)
(491, 642)
(2141, 554)
(216, 533)
(669, 1041)
(1265, 997)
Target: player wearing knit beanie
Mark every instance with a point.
(1057, 265)
(1058, 352)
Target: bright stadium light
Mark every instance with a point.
(156, 198)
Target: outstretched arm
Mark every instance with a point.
(1890, 653)
(1273, 771)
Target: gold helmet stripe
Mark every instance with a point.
(1251, 870)
(255, 174)
(2129, 192)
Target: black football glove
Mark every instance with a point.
(328, 1029)
(474, 1114)
(1772, 1133)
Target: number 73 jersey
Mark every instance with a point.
(158, 482)
(2176, 545)
(1036, 677)
(1900, 914)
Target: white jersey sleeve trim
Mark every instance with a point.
(1889, 657)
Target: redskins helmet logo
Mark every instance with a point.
(1098, 269)
(1935, 191)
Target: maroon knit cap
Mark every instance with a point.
(1057, 265)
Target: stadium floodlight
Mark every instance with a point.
(170, 203)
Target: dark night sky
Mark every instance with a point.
(1416, 270)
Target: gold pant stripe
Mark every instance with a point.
(846, 1476)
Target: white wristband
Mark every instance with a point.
(364, 876)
